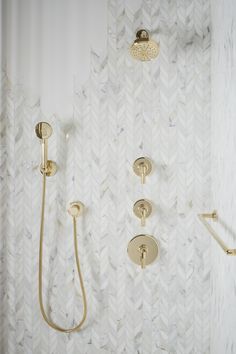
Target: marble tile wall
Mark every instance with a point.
(126, 109)
(223, 130)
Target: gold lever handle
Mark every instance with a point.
(143, 173)
(143, 217)
(142, 168)
(143, 250)
(142, 209)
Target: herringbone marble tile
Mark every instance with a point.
(125, 110)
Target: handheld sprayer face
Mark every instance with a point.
(43, 131)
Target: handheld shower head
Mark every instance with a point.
(144, 48)
(43, 130)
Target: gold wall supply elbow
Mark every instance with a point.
(48, 168)
(214, 217)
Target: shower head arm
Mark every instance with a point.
(142, 35)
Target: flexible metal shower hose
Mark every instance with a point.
(49, 322)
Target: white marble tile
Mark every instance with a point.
(126, 109)
(223, 145)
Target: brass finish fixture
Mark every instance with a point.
(43, 131)
(76, 209)
(142, 209)
(214, 216)
(142, 167)
(51, 168)
(144, 48)
(143, 250)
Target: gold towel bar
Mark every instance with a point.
(214, 216)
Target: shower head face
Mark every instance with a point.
(43, 130)
(144, 48)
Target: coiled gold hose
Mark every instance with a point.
(46, 318)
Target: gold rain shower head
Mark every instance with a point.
(144, 48)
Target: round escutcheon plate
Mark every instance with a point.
(140, 205)
(139, 241)
(75, 209)
(140, 163)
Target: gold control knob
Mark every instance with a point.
(143, 250)
(142, 209)
(142, 167)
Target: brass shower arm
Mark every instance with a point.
(214, 216)
(143, 217)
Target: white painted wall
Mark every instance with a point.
(46, 46)
(223, 134)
